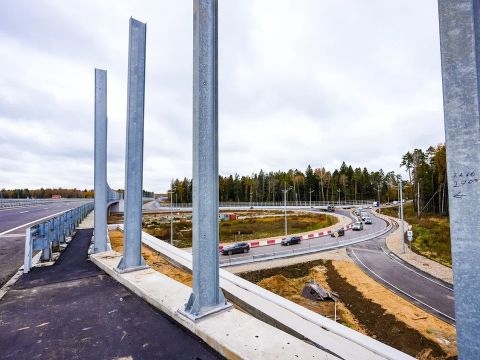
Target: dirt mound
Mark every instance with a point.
(364, 305)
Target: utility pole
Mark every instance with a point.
(401, 213)
(171, 214)
(418, 199)
(285, 205)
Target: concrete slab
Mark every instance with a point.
(232, 333)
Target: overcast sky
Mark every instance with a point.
(300, 82)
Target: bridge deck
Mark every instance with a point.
(73, 310)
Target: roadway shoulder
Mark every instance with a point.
(433, 268)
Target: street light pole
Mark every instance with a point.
(401, 213)
(171, 215)
(285, 205)
(338, 190)
(311, 191)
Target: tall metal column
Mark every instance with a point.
(100, 161)
(206, 297)
(132, 255)
(459, 43)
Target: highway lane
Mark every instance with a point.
(373, 256)
(325, 241)
(427, 292)
(13, 223)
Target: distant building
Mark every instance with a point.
(56, 196)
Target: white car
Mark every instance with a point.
(368, 220)
(357, 226)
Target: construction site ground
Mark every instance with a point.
(364, 305)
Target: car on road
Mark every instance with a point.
(338, 232)
(368, 220)
(330, 208)
(357, 226)
(291, 240)
(237, 248)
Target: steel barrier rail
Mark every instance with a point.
(184, 259)
(296, 252)
(51, 233)
(278, 204)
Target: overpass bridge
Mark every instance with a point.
(203, 308)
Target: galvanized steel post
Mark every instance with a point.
(132, 256)
(100, 160)
(460, 45)
(206, 297)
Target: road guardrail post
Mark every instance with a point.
(459, 44)
(132, 253)
(206, 297)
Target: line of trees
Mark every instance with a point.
(427, 171)
(426, 185)
(320, 184)
(45, 193)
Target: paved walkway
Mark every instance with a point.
(73, 310)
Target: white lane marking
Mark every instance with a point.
(23, 212)
(33, 222)
(403, 292)
(393, 257)
(45, 208)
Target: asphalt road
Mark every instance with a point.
(325, 241)
(373, 256)
(13, 223)
(73, 310)
(427, 292)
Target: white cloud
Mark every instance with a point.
(300, 82)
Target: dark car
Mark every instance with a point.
(241, 247)
(338, 232)
(330, 208)
(291, 240)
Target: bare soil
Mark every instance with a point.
(153, 259)
(365, 306)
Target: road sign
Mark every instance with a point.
(410, 235)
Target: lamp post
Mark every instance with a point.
(285, 205)
(171, 214)
(401, 212)
(310, 193)
(338, 190)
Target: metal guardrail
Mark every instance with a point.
(278, 204)
(184, 259)
(295, 252)
(51, 233)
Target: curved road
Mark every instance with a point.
(13, 223)
(315, 243)
(427, 292)
(374, 258)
